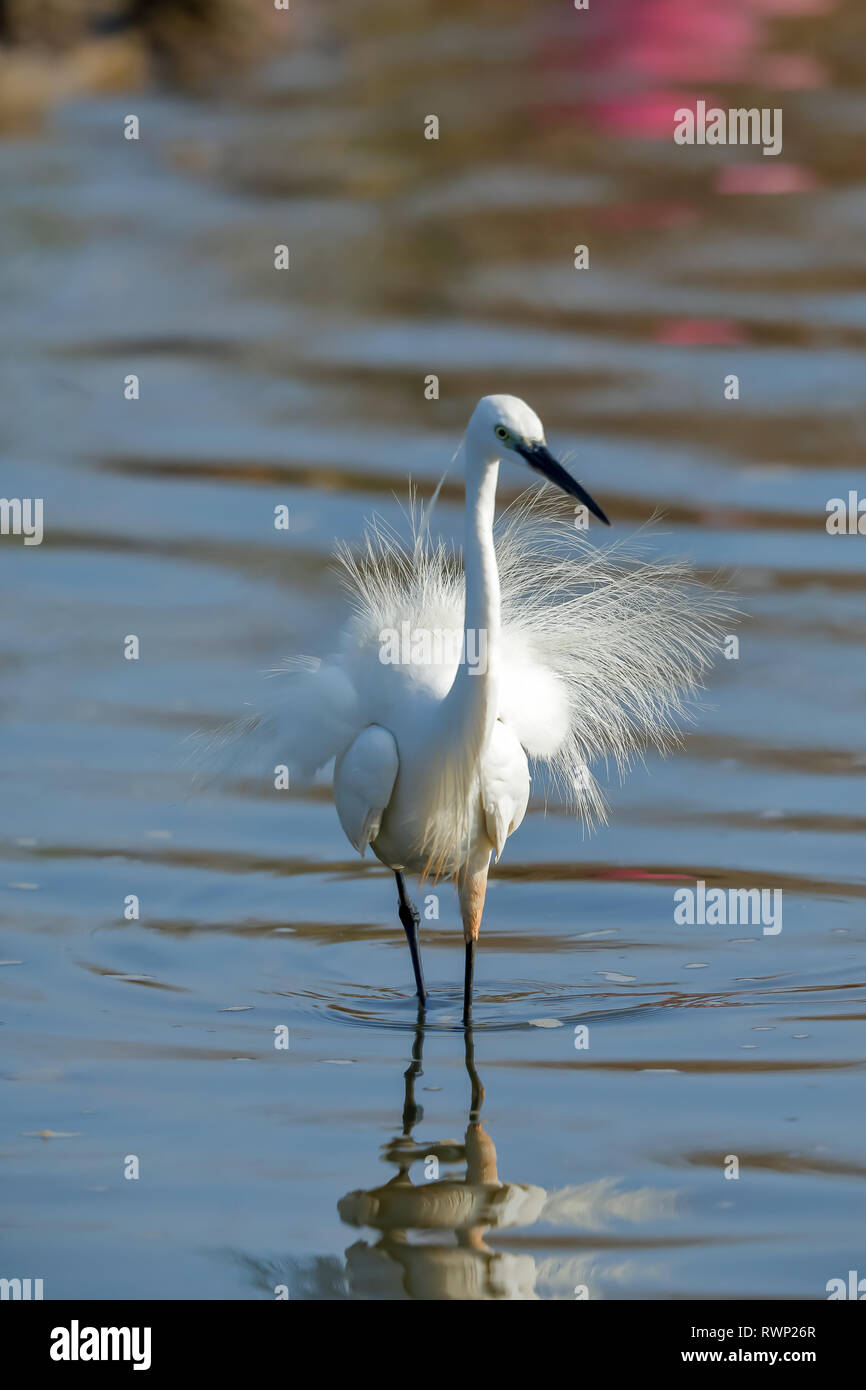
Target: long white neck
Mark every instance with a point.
(469, 710)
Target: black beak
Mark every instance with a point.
(539, 457)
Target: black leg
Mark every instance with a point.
(412, 1111)
(467, 983)
(411, 920)
(477, 1088)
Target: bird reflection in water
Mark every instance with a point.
(465, 1208)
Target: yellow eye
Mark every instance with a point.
(501, 432)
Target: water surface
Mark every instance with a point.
(598, 1169)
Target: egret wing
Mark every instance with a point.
(364, 779)
(504, 785)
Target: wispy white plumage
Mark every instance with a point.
(602, 648)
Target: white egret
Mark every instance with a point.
(558, 654)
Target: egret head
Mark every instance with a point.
(504, 427)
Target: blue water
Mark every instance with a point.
(154, 1038)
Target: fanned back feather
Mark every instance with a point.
(603, 649)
